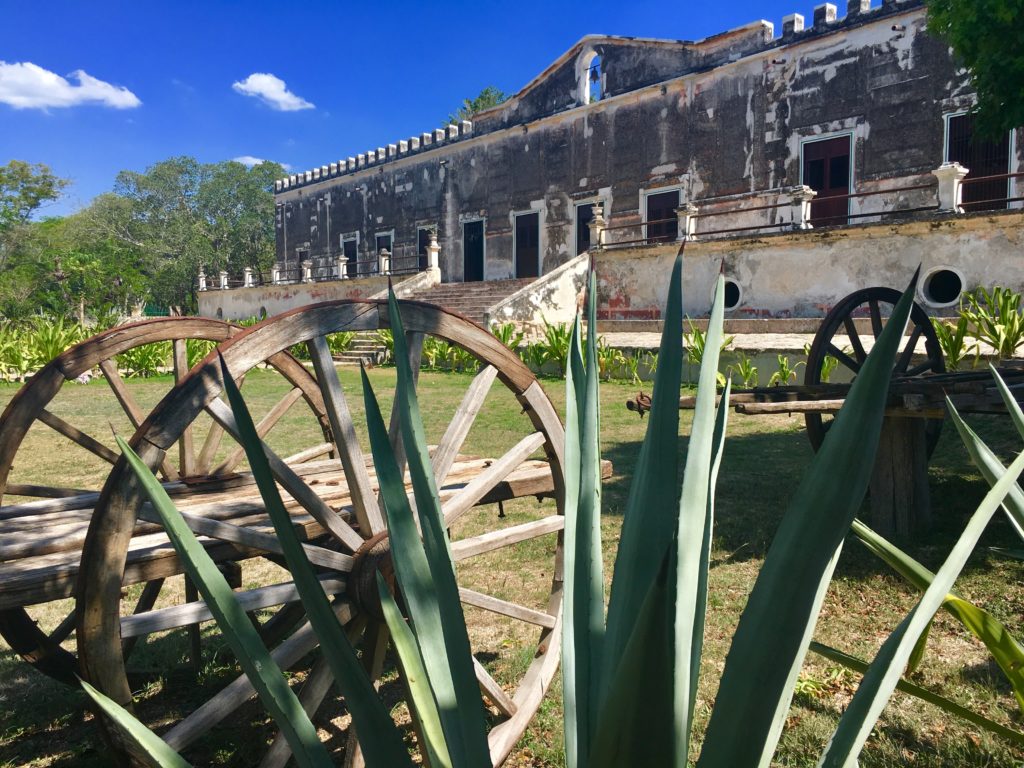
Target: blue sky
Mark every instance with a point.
(332, 79)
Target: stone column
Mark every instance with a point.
(950, 176)
(307, 271)
(223, 280)
(384, 261)
(801, 206)
(202, 279)
(597, 225)
(434, 255)
(687, 215)
(275, 273)
(342, 267)
(247, 277)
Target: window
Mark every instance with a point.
(350, 249)
(384, 241)
(982, 157)
(662, 222)
(584, 215)
(826, 170)
(526, 244)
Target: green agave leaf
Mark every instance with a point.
(885, 671)
(424, 566)
(155, 747)
(266, 677)
(583, 610)
(1005, 650)
(776, 626)
(424, 706)
(380, 740)
(694, 532)
(987, 462)
(947, 705)
(637, 726)
(1013, 554)
(650, 517)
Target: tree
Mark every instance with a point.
(487, 98)
(986, 35)
(24, 188)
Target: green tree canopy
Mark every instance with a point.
(24, 188)
(987, 35)
(487, 98)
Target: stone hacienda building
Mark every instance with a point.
(860, 108)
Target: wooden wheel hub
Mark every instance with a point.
(373, 556)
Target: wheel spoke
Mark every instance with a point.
(505, 608)
(876, 317)
(292, 483)
(414, 344)
(843, 358)
(253, 539)
(64, 629)
(266, 424)
(908, 352)
(186, 445)
(854, 336)
(375, 646)
(917, 370)
(478, 487)
(493, 690)
(130, 407)
(488, 542)
(364, 503)
(147, 600)
(455, 435)
(76, 435)
(315, 688)
(212, 441)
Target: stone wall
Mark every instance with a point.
(265, 300)
(803, 274)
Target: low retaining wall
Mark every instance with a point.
(550, 298)
(804, 274)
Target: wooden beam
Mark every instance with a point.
(488, 542)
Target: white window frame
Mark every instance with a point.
(645, 193)
(348, 237)
(1011, 190)
(389, 233)
(463, 221)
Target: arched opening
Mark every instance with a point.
(733, 294)
(591, 78)
(942, 287)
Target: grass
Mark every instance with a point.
(42, 723)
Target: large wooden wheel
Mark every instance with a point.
(46, 524)
(339, 513)
(838, 338)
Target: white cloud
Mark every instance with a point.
(272, 91)
(24, 85)
(249, 161)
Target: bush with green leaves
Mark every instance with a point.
(952, 336)
(995, 318)
(630, 673)
(145, 360)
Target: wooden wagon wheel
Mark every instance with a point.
(58, 519)
(837, 337)
(347, 532)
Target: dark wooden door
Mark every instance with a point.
(663, 224)
(982, 156)
(473, 251)
(423, 240)
(584, 215)
(351, 250)
(528, 245)
(827, 172)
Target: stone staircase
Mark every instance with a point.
(471, 299)
(365, 348)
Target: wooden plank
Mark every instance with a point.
(147, 600)
(364, 502)
(505, 608)
(488, 542)
(310, 453)
(129, 405)
(76, 435)
(198, 611)
(246, 537)
(46, 491)
(294, 484)
(458, 428)
(478, 487)
(493, 690)
(264, 426)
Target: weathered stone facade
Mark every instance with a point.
(719, 118)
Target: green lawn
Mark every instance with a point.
(42, 723)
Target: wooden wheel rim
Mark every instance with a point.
(25, 408)
(839, 322)
(104, 554)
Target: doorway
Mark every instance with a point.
(527, 245)
(473, 251)
(826, 170)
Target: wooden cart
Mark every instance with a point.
(95, 544)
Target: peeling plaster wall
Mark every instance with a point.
(722, 117)
(243, 303)
(552, 299)
(805, 274)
